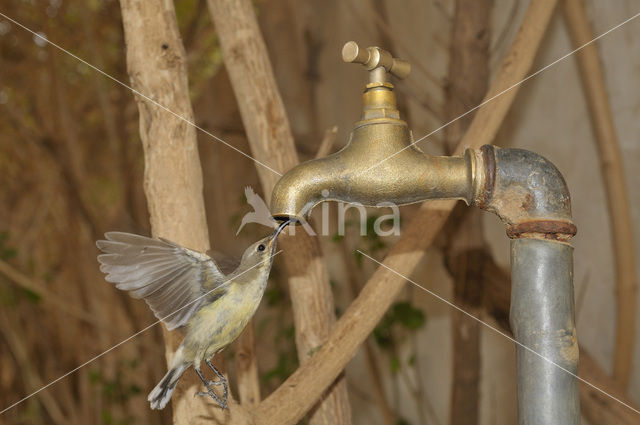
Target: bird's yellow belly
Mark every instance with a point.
(218, 324)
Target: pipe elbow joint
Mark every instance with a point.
(527, 192)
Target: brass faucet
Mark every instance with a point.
(380, 163)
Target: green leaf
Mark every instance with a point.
(394, 364)
(382, 333)
(358, 256)
(385, 327)
(134, 389)
(31, 296)
(290, 332)
(106, 417)
(6, 253)
(109, 388)
(371, 220)
(274, 296)
(408, 316)
(8, 296)
(412, 360)
(94, 376)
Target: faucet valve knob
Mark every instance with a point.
(377, 60)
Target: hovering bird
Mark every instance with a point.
(187, 288)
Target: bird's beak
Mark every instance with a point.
(274, 238)
(280, 228)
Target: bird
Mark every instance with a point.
(187, 289)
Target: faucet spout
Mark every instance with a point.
(378, 165)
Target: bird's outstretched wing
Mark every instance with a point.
(173, 280)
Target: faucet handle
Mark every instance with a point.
(376, 60)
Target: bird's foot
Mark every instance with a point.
(221, 401)
(221, 381)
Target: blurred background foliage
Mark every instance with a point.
(72, 168)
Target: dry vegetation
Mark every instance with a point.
(72, 166)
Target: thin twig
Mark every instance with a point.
(468, 83)
(326, 145)
(388, 32)
(615, 185)
(269, 134)
(355, 282)
(173, 174)
(246, 362)
(47, 296)
(11, 331)
(420, 390)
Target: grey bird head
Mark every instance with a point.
(262, 251)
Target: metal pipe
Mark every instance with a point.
(541, 319)
(528, 193)
(530, 196)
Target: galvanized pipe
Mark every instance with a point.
(528, 193)
(531, 197)
(542, 311)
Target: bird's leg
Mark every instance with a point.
(210, 392)
(221, 381)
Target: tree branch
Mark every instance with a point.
(24, 364)
(292, 399)
(269, 134)
(467, 84)
(49, 298)
(616, 188)
(173, 176)
(247, 368)
(326, 145)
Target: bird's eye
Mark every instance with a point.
(261, 247)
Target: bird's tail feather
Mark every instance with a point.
(161, 394)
